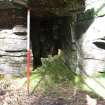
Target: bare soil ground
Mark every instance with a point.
(12, 94)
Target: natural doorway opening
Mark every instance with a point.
(48, 34)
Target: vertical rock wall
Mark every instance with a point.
(12, 49)
(84, 49)
(90, 37)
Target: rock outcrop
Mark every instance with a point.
(13, 49)
(92, 48)
(91, 39)
(84, 41)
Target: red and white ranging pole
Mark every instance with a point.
(28, 49)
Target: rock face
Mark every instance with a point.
(85, 46)
(91, 39)
(92, 45)
(52, 8)
(13, 49)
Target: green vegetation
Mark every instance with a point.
(52, 73)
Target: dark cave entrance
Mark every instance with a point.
(48, 34)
